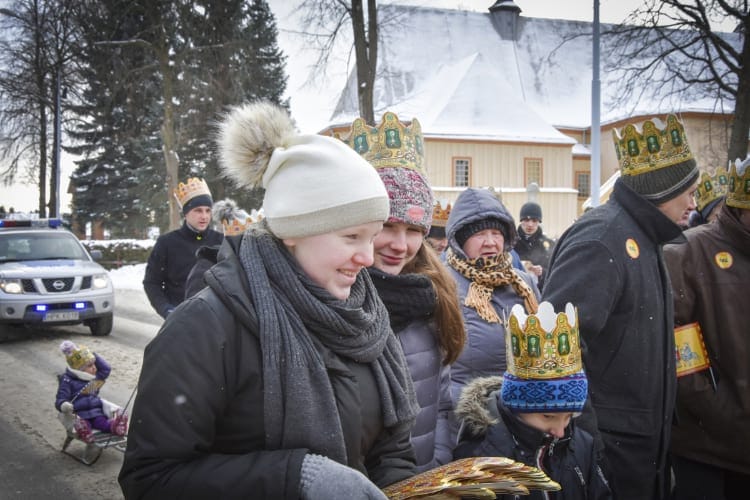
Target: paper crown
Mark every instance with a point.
(187, 191)
(711, 187)
(389, 145)
(544, 345)
(440, 215)
(738, 195)
(236, 226)
(658, 146)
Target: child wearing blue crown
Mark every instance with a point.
(528, 413)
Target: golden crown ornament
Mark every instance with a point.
(711, 187)
(738, 195)
(657, 146)
(391, 144)
(545, 345)
(190, 189)
(440, 215)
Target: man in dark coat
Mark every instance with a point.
(610, 264)
(174, 253)
(533, 246)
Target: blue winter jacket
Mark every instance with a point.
(84, 394)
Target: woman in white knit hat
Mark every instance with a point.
(282, 378)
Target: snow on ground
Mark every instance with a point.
(128, 277)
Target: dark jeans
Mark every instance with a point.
(697, 481)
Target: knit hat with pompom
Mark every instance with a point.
(77, 357)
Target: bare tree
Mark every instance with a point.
(325, 19)
(672, 49)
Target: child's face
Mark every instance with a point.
(551, 423)
(89, 368)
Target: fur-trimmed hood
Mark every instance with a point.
(476, 408)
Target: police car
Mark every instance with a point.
(47, 277)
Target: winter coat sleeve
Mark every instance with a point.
(391, 458)
(154, 279)
(443, 441)
(190, 436)
(103, 369)
(64, 392)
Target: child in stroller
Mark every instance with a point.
(78, 392)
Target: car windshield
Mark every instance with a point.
(16, 247)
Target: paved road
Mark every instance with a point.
(30, 434)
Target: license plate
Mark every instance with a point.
(61, 316)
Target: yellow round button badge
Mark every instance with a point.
(632, 248)
(724, 260)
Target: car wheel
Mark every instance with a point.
(101, 326)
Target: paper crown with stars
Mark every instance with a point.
(545, 369)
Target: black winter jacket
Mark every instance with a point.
(609, 265)
(536, 248)
(197, 430)
(490, 429)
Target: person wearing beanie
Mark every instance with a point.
(610, 264)
(481, 234)
(78, 393)
(709, 198)
(436, 236)
(282, 378)
(710, 275)
(174, 253)
(528, 414)
(416, 288)
(533, 246)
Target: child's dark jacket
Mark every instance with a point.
(84, 394)
(490, 429)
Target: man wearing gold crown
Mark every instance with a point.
(709, 198)
(710, 276)
(173, 255)
(609, 263)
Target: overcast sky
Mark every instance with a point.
(312, 107)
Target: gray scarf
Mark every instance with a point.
(295, 318)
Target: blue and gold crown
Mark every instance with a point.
(738, 195)
(189, 190)
(712, 186)
(656, 147)
(392, 144)
(544, 345)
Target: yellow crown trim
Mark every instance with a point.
(544, 345)
(440, 215)
(657, 147)
(391, 144)
(738, 195)
(712, 186)
(189, 190)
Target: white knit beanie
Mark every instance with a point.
(313, 184)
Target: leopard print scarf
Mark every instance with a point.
(485, 275)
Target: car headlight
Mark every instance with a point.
(11, 285)
(100, 281)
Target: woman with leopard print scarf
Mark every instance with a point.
(481, 233)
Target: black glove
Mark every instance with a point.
(321, 477)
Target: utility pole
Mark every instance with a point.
(596, 131)
(57, 146)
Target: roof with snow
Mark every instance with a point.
(492, 76)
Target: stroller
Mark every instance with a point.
(99, 441)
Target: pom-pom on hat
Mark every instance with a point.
(545, 369)
(77, 357)
(396, 151)
(193, 193)
(313, 184)
(531, 210)
(655, 160)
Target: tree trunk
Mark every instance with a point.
(169, 137)
(366, 50)
(741, 122)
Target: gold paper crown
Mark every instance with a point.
(711, 187)
(389, 145)
(235, 226)
(657, 147)
(544, 345)
(194, 187)
(80, 358)
(738, 195)
(440, 215)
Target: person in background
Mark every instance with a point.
(481, 233)
(78, 392)
(233, 220)
(533, 247)
(436, 237)
(710, 276)
(609, 263)
(282, 379)
(528, 413)
(173, 255)
(709, 198)
(416, 288)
